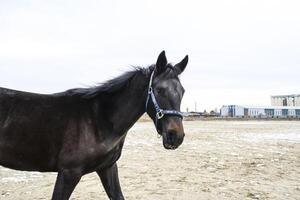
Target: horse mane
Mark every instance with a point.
(116, 84)
(110, 86)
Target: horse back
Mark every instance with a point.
(32, 128)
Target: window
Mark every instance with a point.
(284, 112)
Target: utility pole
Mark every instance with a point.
(195, 106)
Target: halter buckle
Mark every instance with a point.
(159, 114)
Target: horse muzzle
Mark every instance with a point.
(172, 140)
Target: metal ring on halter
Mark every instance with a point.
(160, 114)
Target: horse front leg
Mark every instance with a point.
(66, 182)
(110, 180)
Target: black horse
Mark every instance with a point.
(83, 130)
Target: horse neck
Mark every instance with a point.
(128, 105)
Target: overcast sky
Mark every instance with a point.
(241, 52)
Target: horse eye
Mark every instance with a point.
(160, 91)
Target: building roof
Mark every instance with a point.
(267, 107)
(290, 95)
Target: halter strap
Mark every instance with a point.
(160, 113)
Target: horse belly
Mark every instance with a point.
(31, 159)
(24, 153)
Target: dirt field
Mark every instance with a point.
(218, 160)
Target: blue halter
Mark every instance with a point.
(160, 113)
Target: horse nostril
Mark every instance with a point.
(171, 137)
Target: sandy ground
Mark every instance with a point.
(218, 160)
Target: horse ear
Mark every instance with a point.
(161, 62)
(179, 67)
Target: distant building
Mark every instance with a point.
(260, 111)
(286, 100)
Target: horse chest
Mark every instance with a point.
(99, 160)
(110, 158)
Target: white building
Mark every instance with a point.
(286, 100)
(260, 111)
